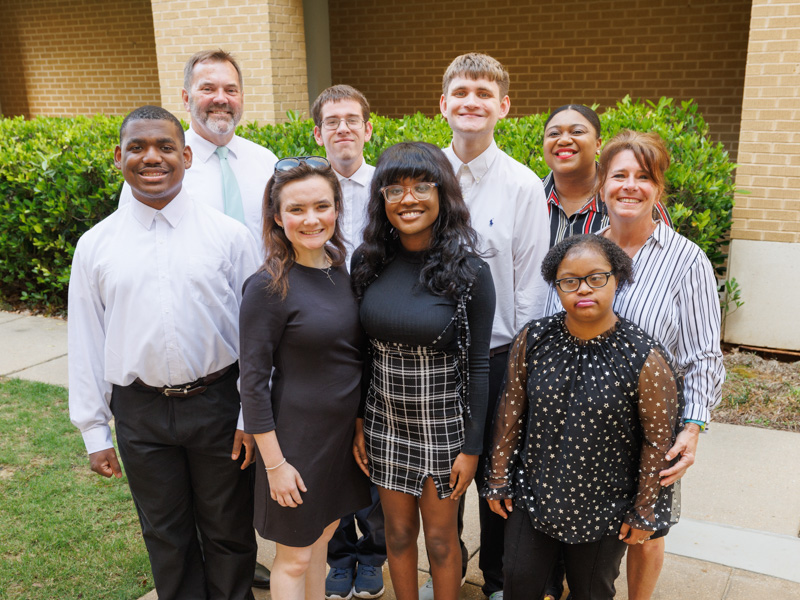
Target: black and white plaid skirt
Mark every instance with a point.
(414, 423)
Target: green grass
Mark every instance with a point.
(65, 532)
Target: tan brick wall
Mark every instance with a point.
(68, 57)
(557, 52)
(267, 39)
(769, 149)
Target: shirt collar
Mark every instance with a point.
(172, 212)
(362, 176)
(659, 236)
(480, 165)
(202, 149)
(593, 204)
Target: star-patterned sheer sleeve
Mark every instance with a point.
(659, 410)
(509, 423)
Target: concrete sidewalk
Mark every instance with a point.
(738, 535)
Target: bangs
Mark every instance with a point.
(408, 162)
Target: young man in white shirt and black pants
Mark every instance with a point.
(508, 210)
(153, 340)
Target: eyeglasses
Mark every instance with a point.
(287, 164)
(594, 281)
(421, 191)
(353, 123)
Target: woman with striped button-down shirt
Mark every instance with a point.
(673, 298)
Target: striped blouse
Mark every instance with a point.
(674, 299)
(591, 218)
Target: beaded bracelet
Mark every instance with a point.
(276, 466)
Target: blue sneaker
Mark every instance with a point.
(339, 584)
(369, 582)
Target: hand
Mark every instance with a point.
(285, 485)
(462, 474)
(240, 439)
(686, 446)
(502, 507)
(360, 447)
(105, 463)
(633, 536)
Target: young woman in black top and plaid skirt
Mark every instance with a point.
(427, 305)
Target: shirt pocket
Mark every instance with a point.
(209, 281)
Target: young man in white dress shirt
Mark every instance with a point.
(213, 94)
(342, 126)
(153, 340)
(508, 210)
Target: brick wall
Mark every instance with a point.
(556, 51)
(267, 39)
(769, 154)
(68, 57)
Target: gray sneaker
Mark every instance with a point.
(496, 596)
(426, 591)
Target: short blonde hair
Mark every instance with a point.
(477, 66)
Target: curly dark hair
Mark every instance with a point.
(447, 269)
(278, 249)
(621, 263)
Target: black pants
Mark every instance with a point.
(492, 525)
(346, 549)
(177, 457)
(530, 555)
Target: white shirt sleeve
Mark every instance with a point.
(89, 393)
(529, 245)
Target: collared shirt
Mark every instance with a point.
(591, 218)
(252, 164)
(674, 299)
(355, 190)
(154, 295)
(508, 210)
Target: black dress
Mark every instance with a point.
(314, 341)
(582, 429)
(428, 392)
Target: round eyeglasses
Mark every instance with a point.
(594, 281)
(353, 123)
(291, 162)
(421, 191)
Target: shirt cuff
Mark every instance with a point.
(696, 412)
(97, 438)
(240, 420)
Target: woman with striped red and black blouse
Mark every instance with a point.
(572, 141)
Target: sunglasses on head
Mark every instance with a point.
(291, 162)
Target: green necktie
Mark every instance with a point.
(231, 196)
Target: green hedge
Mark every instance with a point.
(57, 179)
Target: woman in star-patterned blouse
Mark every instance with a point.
(589, 409)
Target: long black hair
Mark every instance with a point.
(447, 266)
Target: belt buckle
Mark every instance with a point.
(176, 392)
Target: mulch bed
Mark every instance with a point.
(760, 392)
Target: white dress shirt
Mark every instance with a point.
(252, 164)
(508, 210)
(674, 299)
(355, 190)
(154, 295)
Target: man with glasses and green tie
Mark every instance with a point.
(229, 172)
(342, 126)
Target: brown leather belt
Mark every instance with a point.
(186, 390)
(499, 350)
